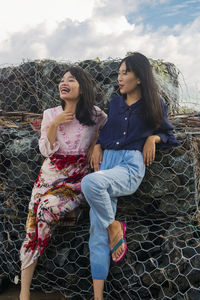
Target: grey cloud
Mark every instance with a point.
(19, 45)
(70, 41)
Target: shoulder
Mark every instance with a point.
(99, 113)
(163, 105)
(98, 110)
(116, 99)
(116, 103)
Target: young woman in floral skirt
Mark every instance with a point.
(67, 131)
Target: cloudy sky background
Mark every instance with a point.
(75, 30)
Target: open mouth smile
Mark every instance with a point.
(64, 90)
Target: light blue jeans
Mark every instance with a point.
(120, 174)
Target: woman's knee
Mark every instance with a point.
(87, 183)
(48, 209)
(94, 183)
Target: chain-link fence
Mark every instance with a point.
(163, 216)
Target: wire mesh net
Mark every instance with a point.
(163, 216)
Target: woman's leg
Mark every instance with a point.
(101, 190)
(101, 187)
(99, 255)
(49, 211)
(98, 287)
(38, 235)
(26, 278)
(99, 252)
(99, 248)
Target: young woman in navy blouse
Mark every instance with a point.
(137, 121)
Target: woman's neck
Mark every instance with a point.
(133, 97)
(70, 107)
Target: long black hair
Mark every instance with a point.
(85, 106)
(152, 109)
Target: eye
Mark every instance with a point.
(123, 73)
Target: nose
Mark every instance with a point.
(64, 82)
(119, 78)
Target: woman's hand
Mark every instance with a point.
(149, 149)
(96, 157)
(64, 117)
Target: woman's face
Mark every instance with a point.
(69, 87)
(128, 82)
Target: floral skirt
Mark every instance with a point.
(56, 192)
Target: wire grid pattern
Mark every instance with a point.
(163, 257)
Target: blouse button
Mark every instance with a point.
(126, 118)
(117, 143)
(124, 132)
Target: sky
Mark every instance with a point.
(74, 30)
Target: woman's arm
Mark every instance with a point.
(48, 144)
(51, 133)
(165, 130)
(149, 149)
(96, 157)
(163, 136)
(95, 153)
(45, 147)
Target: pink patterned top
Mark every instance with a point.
(72, 138)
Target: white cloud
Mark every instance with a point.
(40, 49)
(109, 9)
(23, 15)
(104, 26)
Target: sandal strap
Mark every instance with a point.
(117, 245)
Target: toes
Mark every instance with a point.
(118, 252)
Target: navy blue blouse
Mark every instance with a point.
(126, 130)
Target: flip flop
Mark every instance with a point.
(121, 241)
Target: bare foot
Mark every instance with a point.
(115, 232)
